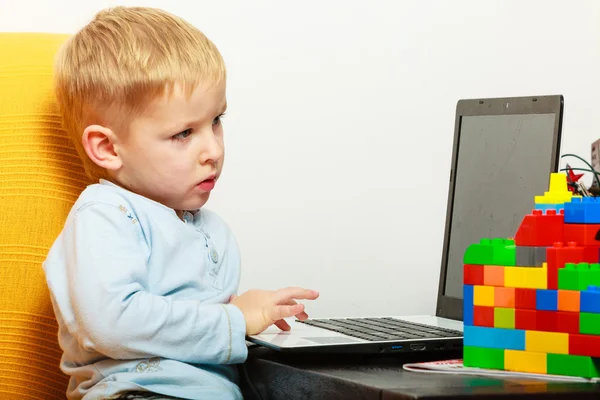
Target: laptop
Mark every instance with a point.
(504, 151)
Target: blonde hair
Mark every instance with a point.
(109, 71)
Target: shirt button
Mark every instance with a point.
(214, 256)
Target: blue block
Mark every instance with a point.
(494, 338)
(590, 300)
(585, 210)
(546, 300)
(468, 299)
(545, 207)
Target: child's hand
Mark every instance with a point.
(262, 308)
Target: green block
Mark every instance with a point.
(504, 318)
(505, 252)
(594, 274)
(480, 357)
(589, 323)
(576, 276)
(565, 364)
(492, 252)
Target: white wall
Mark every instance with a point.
(341, 120)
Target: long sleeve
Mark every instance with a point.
(107, 307)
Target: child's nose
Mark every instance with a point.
(212, 149)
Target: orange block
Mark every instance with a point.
(504, 297)
(493, 275)
(568, 300)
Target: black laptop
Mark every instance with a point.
(504, 151)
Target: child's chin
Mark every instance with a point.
(195, 203)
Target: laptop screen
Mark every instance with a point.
(500, 163)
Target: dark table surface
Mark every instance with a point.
(286, 376)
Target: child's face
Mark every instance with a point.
(173, 154)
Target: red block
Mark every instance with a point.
(483, 316)
(591, 253)
(559, 254)
(525, 299)
(539, 229)
(473, 274)
(582, 234)
(526, 319)
(567, 322)
(584, 345)
(546, 321)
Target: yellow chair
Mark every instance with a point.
(40, 179)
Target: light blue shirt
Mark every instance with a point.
(141, 297)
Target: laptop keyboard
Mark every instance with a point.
(378, 329)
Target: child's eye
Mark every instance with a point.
(217, 120)
(183, 134)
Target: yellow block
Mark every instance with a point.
(483, 296)
(536, 277)
(515, 277)
(558, 192)
(525, 361)
(547, 342)
(526, 277)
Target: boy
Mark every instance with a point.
(142, 278)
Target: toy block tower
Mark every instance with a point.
(532, 302)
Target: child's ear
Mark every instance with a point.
(99, 144)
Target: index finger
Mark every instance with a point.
(289, 293)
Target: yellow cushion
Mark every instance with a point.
(40, 178)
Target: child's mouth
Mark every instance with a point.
(207, 185)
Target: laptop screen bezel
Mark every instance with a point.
(452, 307)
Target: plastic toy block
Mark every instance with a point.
(569, 300)
(547, 342)
(565, 364)
(494, 338)
(484, 316)
(526, 320)
(578, 276)
(505, 252)
(483, 358)
(504, 318)
(545, 207)
(568, 277)
(589, 323)
(481, 253)
(515, 277)
(473, 274)
(491, 252)
(504, 297)
(483, 296)
(537, 278)
(530, 256)
(594, 274)
(558, 191)
(560, 254)
(583, 234)
(525, 361)
(584, 345)
(468, 305)
(590, 300)
(547, 300)
(524, 277)
(546, 321)
(584, 210)
(538, 229)
(493, 275)
(591, 254)
(567, 322)
(525, 299)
